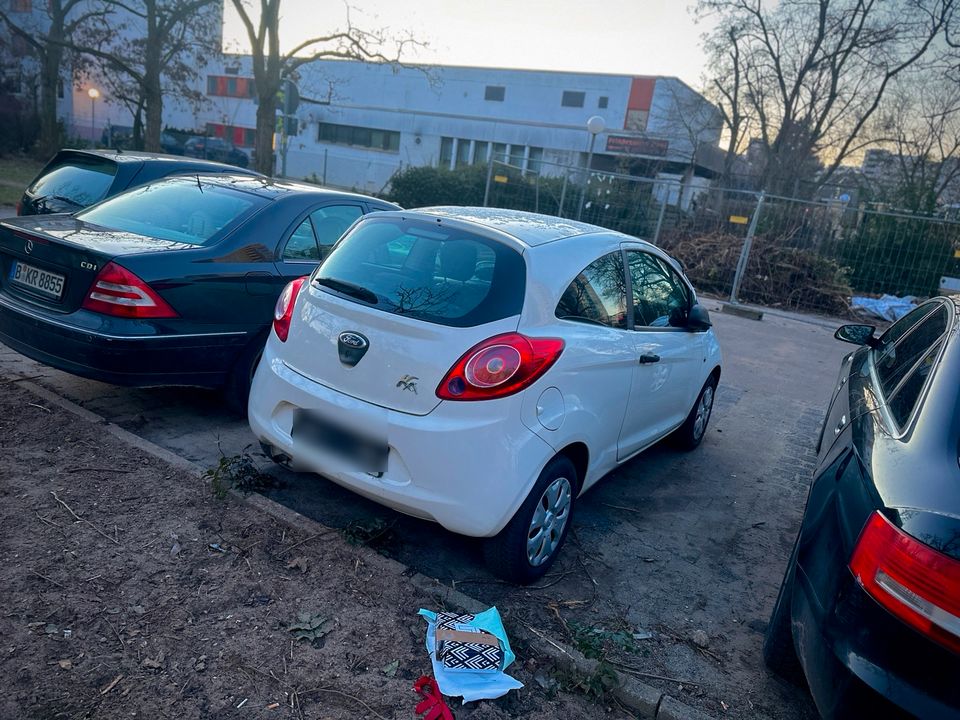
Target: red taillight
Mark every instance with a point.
(916, 583)
(19, 206)
(283, 312)
(500, 366)
(117, 291)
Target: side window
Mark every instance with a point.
(302, 245)
(597, 295)
(331, 222)
(906, 358)
(659, 294)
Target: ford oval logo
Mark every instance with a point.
(351, 346)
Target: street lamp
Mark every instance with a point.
(595, 126)
(94, 94)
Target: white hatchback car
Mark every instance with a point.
(481, 368)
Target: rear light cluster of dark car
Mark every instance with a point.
(117, 291)
(916, 583)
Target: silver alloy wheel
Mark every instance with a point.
(704, 408)
(549, 520)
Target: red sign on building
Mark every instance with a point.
(637, 145)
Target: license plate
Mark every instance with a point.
(352, 449)
(41, 281)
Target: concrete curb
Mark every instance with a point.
(646, 700)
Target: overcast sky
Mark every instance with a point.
(633, 37)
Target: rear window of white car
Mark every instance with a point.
(427, 271)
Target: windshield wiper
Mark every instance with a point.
(43, 199)
(357, 291)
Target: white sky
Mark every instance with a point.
(632, 37)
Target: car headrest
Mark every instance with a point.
(458, 260)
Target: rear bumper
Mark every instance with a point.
(467, 466)
(135, 359)
(860, 661)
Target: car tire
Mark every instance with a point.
(237, 390)
(689, 435)
(520, 555)
(779, 653)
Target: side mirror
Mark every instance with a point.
(857, 334)
(698, 319)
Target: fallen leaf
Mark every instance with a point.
(65, 664)
(299, 563)
(390, 669)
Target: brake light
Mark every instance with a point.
(117, 291)
(283, 312)
(19, 207)
(916, 583)
(500, 366)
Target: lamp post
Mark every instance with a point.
(595, 126)
(94, 94)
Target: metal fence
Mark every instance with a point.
(747, 246)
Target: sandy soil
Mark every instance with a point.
(129, 590)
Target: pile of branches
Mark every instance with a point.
(777, 275)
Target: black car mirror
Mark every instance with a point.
(698, 319)
(857, 334)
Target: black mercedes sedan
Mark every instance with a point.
(870, 602)
(171, 283)
(75, 179)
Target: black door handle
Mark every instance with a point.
(648, 358)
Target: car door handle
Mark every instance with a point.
(649, 358)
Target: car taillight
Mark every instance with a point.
(19, 206)
(916, 583)
(283, 312)
(500, 366)
(117, 291)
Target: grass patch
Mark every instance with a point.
(15, 172)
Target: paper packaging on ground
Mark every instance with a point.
(469, 654)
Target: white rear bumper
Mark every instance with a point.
(466, 465)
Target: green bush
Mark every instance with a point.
(423, 186)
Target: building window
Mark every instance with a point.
(572, 98)
(22, 6)
(463, 152)
(239, 136)
(500, 152)
(602, 102)
(481, 151)
(495, 93)
(517, 154)
(372, 138)
(534, 159)
(446, 152)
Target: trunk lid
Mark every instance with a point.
(62, 246)
(404, 362)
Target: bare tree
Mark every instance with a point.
(271, 65)
(49, 33)
(806, 76)
(919, 128)
(150, 49)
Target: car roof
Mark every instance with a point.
(140, 156)
(272, 187)
(529, 229)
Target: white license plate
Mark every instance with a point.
(46, 283)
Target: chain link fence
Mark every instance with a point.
(749, 246)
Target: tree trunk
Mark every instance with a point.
(152, 93)
(49, 80)
(266, 127)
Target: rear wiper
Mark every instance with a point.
(357, 291)
(43, 199)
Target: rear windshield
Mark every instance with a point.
(183, 209)
(424, 270)
(79, 181)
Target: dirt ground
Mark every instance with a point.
(129, 590)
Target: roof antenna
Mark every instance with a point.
(199, 185)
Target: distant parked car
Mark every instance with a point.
(117, 137)
(213, 148)
(171, 283)
(74, 179)
(482, 368)
(170, 144)
(870, 601)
